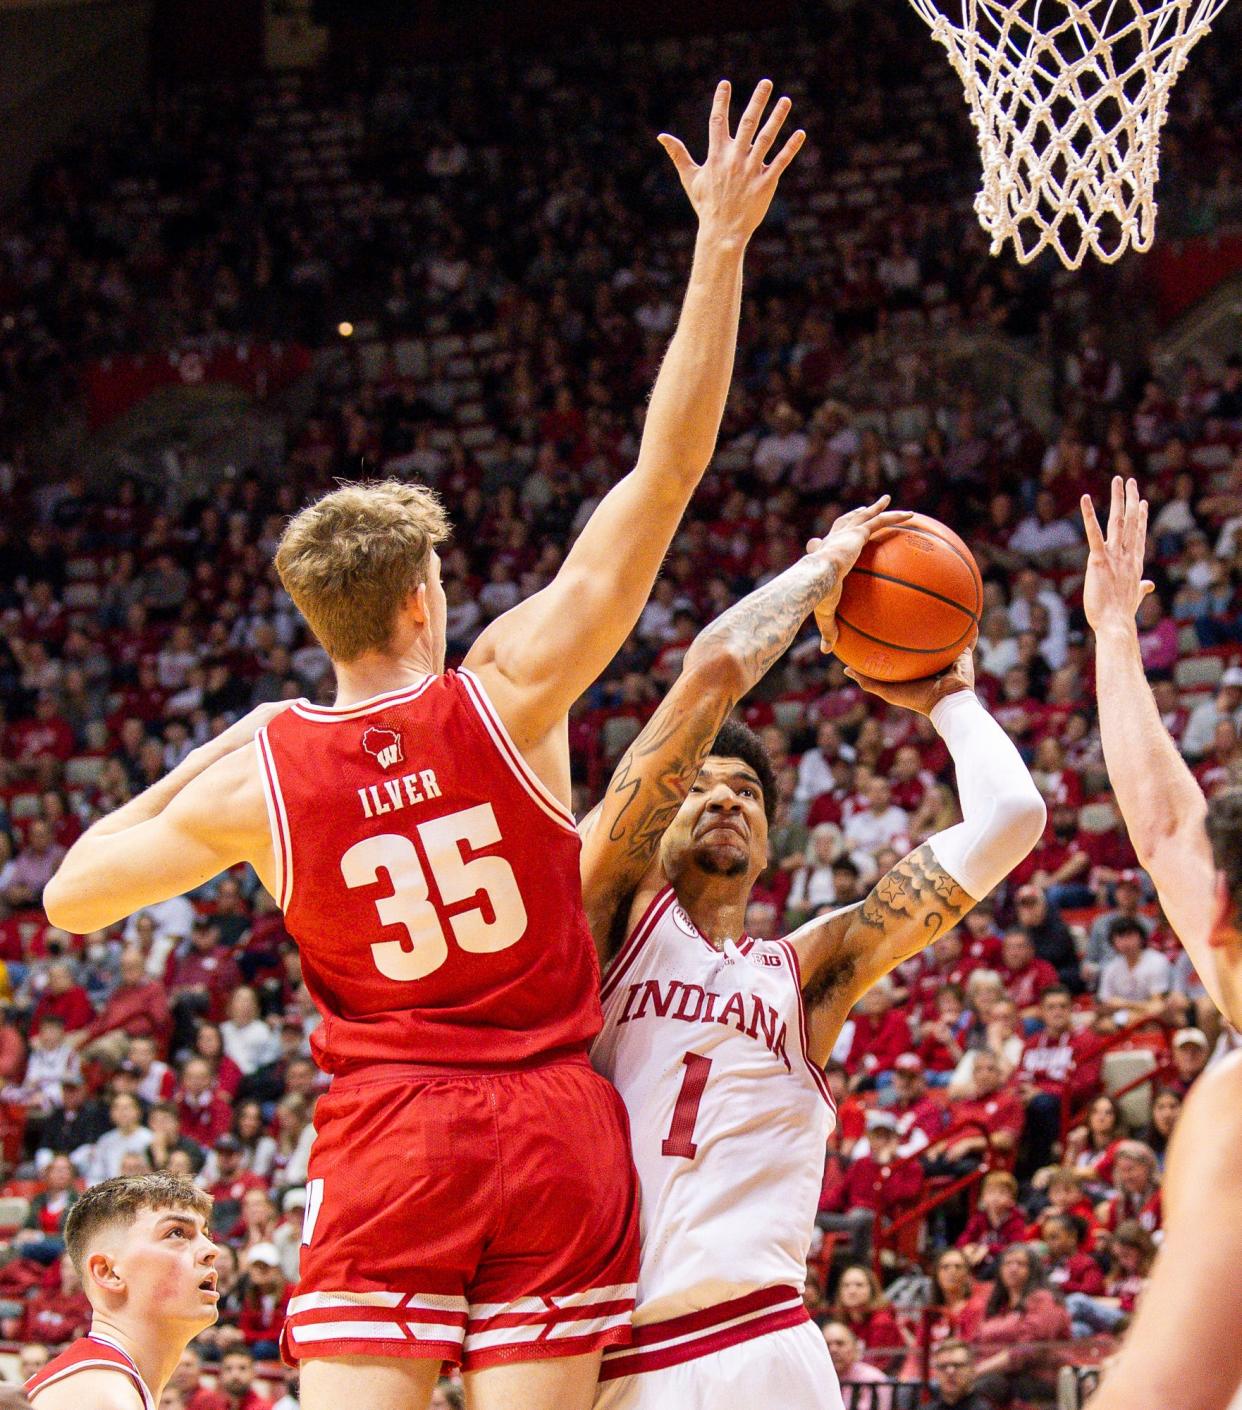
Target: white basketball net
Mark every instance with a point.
(1068, 98)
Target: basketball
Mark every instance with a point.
(911, 604)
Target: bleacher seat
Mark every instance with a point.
(1123, 1066)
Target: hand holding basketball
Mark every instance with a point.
(1115, 585)
(921, 696)
(732, 190)
(846, 540)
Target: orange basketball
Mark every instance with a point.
(911, 603)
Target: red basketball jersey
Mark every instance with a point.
(89, 1353)
(430, 880)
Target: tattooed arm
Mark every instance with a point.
(926, 894)
(621, 837)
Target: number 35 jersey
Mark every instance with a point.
(430, 880)
(729, 1118)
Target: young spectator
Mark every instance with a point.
(226, 1180)
(50, 1062)
(1056, 1064)
(259, 1150)
(164, 1119)
(248, 1041)
(157, 1082)
(1136, 981)
(994, 1225)
(226, 1076)
(1133, 1253)
(875, 1184)
(864, 1309)
(920, 1119)
(955, 1307)
(205, 1115)
(1166, 1107)
(1020, 1314)
(1069, 1269)
(1092, 1146)
(128, 1136)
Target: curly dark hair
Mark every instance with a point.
(739, 741)
(1224, 830)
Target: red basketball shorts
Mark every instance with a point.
(473, 1218)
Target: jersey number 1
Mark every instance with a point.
(686, 1112)
(485, 880)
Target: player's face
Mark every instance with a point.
(721, 828)
(168, 1264)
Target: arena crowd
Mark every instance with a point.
(523, 271)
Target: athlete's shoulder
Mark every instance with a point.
(87, 1372)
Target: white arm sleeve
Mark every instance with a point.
(1003, 814)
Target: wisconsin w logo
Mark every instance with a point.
(384, 745)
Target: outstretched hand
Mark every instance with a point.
(733, 188)
(844, 543)
(922, 696)
(1115, 585)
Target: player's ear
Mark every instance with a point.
(416, 604)
(101, 1272)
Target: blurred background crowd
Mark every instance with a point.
(472, 285)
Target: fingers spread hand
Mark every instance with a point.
(718, 124)
(787, 153)
(680, 157)
(767, 134)
(754, 111)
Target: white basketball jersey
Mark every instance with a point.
(729, 1118)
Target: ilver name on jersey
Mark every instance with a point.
(390, 795)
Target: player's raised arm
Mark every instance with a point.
(206, 815)
(929, 891)
(1163, 807)
(621, 837)
(539, 657)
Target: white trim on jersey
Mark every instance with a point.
(512, 755)
(635, 941)
(422, 1302)
(821, 1081)
(277, 821)
(326, 714)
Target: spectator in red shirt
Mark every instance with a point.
(1136, 1193)
(59, 1316)
(981, 941)
(995, 1225)
(881, 1035)
(201, 976)
(864, 1309)
(944, 963)
(870, 1185)
(265, 1300)
(63, 999)
(1070, 1270)
(1022, 1315)
(1133, 1253)
(236, 1381)
(956, 1306)
(1024, 976)
(205, 1116)
(993, 1105)
(44, 738)
(1056, 1062)
(231, 1183)
(919, 1119)
(138, 1006)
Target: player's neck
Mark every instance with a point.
(375, 674)
(151, 1347)
(714, 905)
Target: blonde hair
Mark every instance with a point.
(351, 559)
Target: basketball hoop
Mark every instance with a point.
(1068, 114)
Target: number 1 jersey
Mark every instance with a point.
(430, 880)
